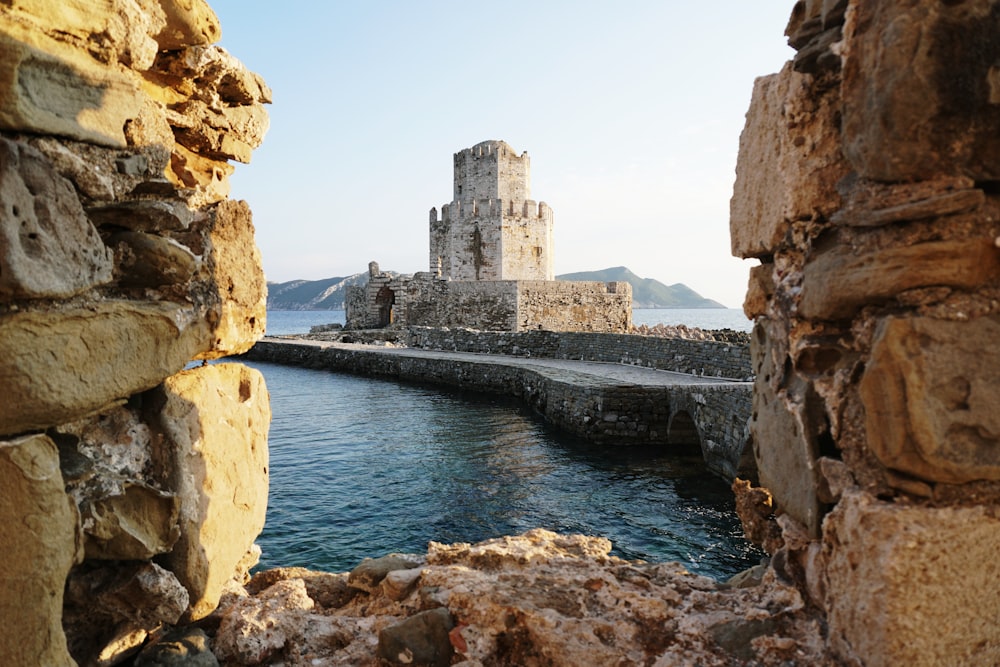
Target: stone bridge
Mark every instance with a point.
(601, 402)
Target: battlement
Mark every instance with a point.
(486, 207)
(493, 170)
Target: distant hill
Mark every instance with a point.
(328, 294)
(646, 292)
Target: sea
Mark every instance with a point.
(363, 467)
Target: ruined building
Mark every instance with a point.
(491, 263)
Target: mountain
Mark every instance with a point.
(646, 292)
(328, 294)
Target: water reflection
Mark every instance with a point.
(362, 467)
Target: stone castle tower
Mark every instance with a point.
(492, 229)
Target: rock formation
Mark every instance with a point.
(131, 489)
(866, 187)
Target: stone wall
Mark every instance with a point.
(696, 357)
(489, 305)
(131, 488)
(866, 188)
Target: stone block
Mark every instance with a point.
(912, 585)
(783, 429)
(188, 23)
(789, 161)
(921, 88)
(931, 391)
(38, 528)
(48, 248)
(48, 87)
(113, 30)
(231, 279)
(149, 260)
(837, 282)
(214, 420)
(59, 365)
(137, 524)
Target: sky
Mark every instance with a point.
(630, 110)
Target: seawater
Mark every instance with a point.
(362, 467)
(298, 321)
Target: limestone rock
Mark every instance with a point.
(838, 281)
(148, 260)
(49, 87)
(136, 525)
(209, 178)
(231, 278)
(188, 23)
(38, 528)
(215, 420)
(422, 640)
(789, 161)
(59, 365)
(920, 90)
(144, 215)
(182, 647)
(537, 598)
(112, 607)
(111, 30)
(48, 248)
(930, 393)
(784, 428)
(255, 629)
(912, 585)
(369, 574)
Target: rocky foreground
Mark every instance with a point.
(535, 599)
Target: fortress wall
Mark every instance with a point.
(866, 188)
(560, 305)
(131, 487)
(705, 358)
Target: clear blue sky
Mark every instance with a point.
(631, 112)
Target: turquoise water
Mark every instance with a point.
(362, 467)
(298, 321)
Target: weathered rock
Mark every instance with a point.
(144, 215)
(537, 598)
(148, 260)
(136, 525)
(48, 248)
(920, 90)
(49, 87)
(760, 289)
(400, 583)
(59, 365)
(873, 204)
(421, 640)
(369, 574)
(912, 585)
(112, 30)
(930, 393)
(38, 528)
(789, 163)
(837, 282)
(784, 427)
(112, 607)
(182, 647)
(215, 420)
(231, 278)
(207, 177)
(255, 629)
(229, 133)
(188, 23)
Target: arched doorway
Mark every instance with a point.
(384, 301)
(682, 434)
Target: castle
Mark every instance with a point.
(490, 263)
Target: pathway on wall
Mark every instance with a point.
(599, 401)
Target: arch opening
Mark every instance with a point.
(683, 436)
(384, 301)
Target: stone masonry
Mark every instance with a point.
(491, 262)
(131, 488)
(867, 189)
